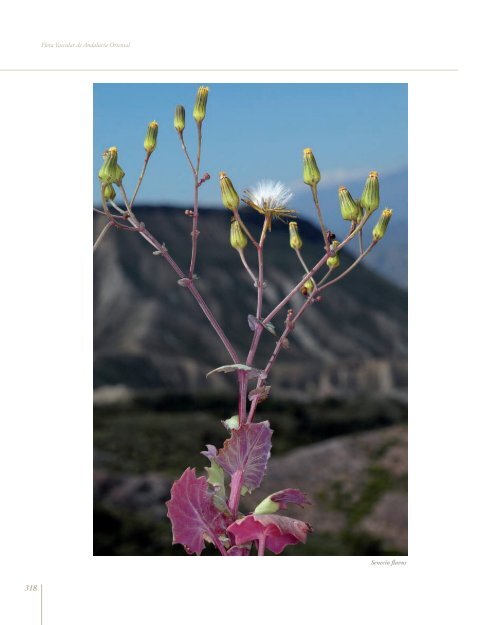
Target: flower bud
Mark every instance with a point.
(237, 236)
(370, 198)
(348, 207)
(109, 192)
(110, 171)
(333, 261)
(230, 198)
(295, 240)
(180, 118)
(381, 226)
(312, 174)
(200, 105)
(307, 288)
(151, 135)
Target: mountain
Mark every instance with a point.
(390, 259)
(150, 335)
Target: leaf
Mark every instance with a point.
(281, 499)
(216, 479)
(248, 451)
(278, 531)
(215, 475)
(210, 453)
(270, 328)
(252, 322)
(252, 373)
(260, 392)
(192, 513)
(290, 495)
(231, 423)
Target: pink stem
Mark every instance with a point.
(296, 288)
(195, 233)
(242, 397)
(190, 286)
(219, 545)
(234, 497)
(262, 545)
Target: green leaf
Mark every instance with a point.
(252, 372)
(216, 479)
(232, 423)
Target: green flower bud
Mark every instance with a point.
(151, 135)
(307, 288)
(348, 207)
(180, 118)
(230, 198)
(200, 105)
(370, 198)
(237, 236)
(381, 226)
(109, 192)
(267, 506)
(110, 171)
(295, 240)
(312, 174)
(333, 261)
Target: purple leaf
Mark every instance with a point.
(192, 513)
(278, 531)
(260, 393)
(290, 495)
(252, 322)
(210, 453)
(248, 451)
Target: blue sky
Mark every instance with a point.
(252, 131)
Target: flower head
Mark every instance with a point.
(270, 199)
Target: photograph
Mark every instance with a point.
(250, 319)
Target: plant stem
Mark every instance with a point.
(234, 497)
(195, 233)
(181, 137)
(262, 545)
(349, 269)
(144, 232)
(245, 264)
(316, 267)
(296, 289)
(247, 231)
(301, 260)
(290, 326)
(314, 189)
(219, 545)
(139, 182)
(260, 255)
(102, 235)
(242, 397)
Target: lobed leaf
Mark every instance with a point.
(290, 495)
(280, 500)
(248, 451)
(278, 531)
(192, 512)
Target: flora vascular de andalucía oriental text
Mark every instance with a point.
(206, 508)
